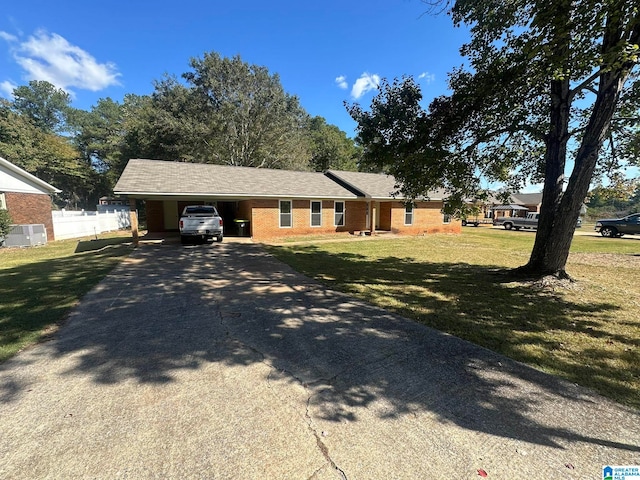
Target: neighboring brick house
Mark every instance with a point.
(531, 201)
(519, 205)
(26, 197)
(278, 203)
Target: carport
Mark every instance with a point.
(510, 210)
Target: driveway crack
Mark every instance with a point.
(320, 443)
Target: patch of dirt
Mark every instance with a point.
(553, 284)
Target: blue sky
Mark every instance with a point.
(324, 52)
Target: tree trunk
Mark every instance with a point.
(560, 211)
(553, 238)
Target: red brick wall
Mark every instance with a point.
(427, 218)
(265, 218)
(385, 215)
(31, 208)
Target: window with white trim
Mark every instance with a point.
(286, 214)
(339, 211)
(3, 201)
(408, 214)
(446, 218)
(316, 214)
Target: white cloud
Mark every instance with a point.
(6, 89)
(8, 37)
(341, 81)
(364, 84)
(54, 59)
(427, 77)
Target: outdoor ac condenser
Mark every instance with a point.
(26, 236)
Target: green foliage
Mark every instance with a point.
(331, 148)
(614, 201)
(5, 224)
(46, 155)
(43, 103)
(228, 112)
(545, 83)
(222, 111)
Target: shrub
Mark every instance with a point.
(5, 224)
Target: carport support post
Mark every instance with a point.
(133, 215)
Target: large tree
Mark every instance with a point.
(330, 147)
(48, 156)
(226, 111)
(550, 93)
(43, 103)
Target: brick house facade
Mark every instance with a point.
(29, 208)
(279, 203)
(26, 197)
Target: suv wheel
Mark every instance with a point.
(508, 226)
(608, 232)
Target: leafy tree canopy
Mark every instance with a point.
(222, 111)
(46, 105)
(227, 112)
(46, 155)
(546, 82)
(330, 147)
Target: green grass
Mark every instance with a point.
(40, 285)
(587, 332)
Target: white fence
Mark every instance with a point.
(75, 224)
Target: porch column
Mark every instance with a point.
(133, 216)
(372, 218)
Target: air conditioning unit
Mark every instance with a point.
(26, 236)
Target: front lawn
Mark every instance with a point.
(39, 285)
(587, 332)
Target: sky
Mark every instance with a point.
(325, 53)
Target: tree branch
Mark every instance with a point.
(585, 84)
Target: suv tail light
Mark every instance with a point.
(181, 224)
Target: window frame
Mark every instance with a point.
(3, 201)
(343, 213)
(280, 213)
(408, 212)
(318, 215)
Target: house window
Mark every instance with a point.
(3, 202)
(338, 208)
(316, 214)
(286, 214)
(446, 218)
(408, 214)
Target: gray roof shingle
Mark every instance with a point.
(528, 198)
(376, 185)
(158, 177)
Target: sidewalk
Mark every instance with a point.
(217, 361)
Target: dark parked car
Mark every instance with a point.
(616, 227)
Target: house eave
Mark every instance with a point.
(49, 189)
(226, 196)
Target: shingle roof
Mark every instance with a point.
(157, 177)
(528, 198)
(375, 185)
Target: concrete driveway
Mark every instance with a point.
(219, 362)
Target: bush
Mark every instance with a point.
(5, 224)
